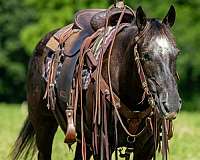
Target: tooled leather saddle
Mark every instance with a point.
(65, 45)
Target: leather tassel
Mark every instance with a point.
(164, 140)
(106, 144)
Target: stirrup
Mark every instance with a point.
(70, 136)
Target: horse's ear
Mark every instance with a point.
(141, 19)
(170, 17)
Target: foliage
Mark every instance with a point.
(24, 24)
(183, 146)
(13, 58)
(51, 15)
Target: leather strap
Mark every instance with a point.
(122, 108)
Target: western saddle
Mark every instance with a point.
(66, 44)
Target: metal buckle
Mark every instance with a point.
(130, 139)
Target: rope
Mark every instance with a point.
(110, 84)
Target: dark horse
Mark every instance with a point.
(156, 47)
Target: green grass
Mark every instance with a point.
(185, 145)
(11, 121)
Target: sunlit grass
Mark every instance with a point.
(185, 145)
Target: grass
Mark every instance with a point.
(183, 146)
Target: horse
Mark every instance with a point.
(144, 51)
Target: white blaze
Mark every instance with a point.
(163, 44)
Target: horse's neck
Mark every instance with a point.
(123, 73)
(129, 84)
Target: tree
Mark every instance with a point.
(24, 24)
(13, 58)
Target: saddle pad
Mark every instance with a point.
(53, 42)
(46, 67)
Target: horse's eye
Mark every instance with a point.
(146, 57)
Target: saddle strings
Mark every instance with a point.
(84, 47)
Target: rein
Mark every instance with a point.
(142, 79)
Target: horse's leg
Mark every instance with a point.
(41, 118)
(45, 127)
(78, 153)
(43, 122)
(145, 152)
(45, 132)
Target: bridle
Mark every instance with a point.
(166, 125)
(143, 80)
(141, 73)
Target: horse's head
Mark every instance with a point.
(157, 50)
